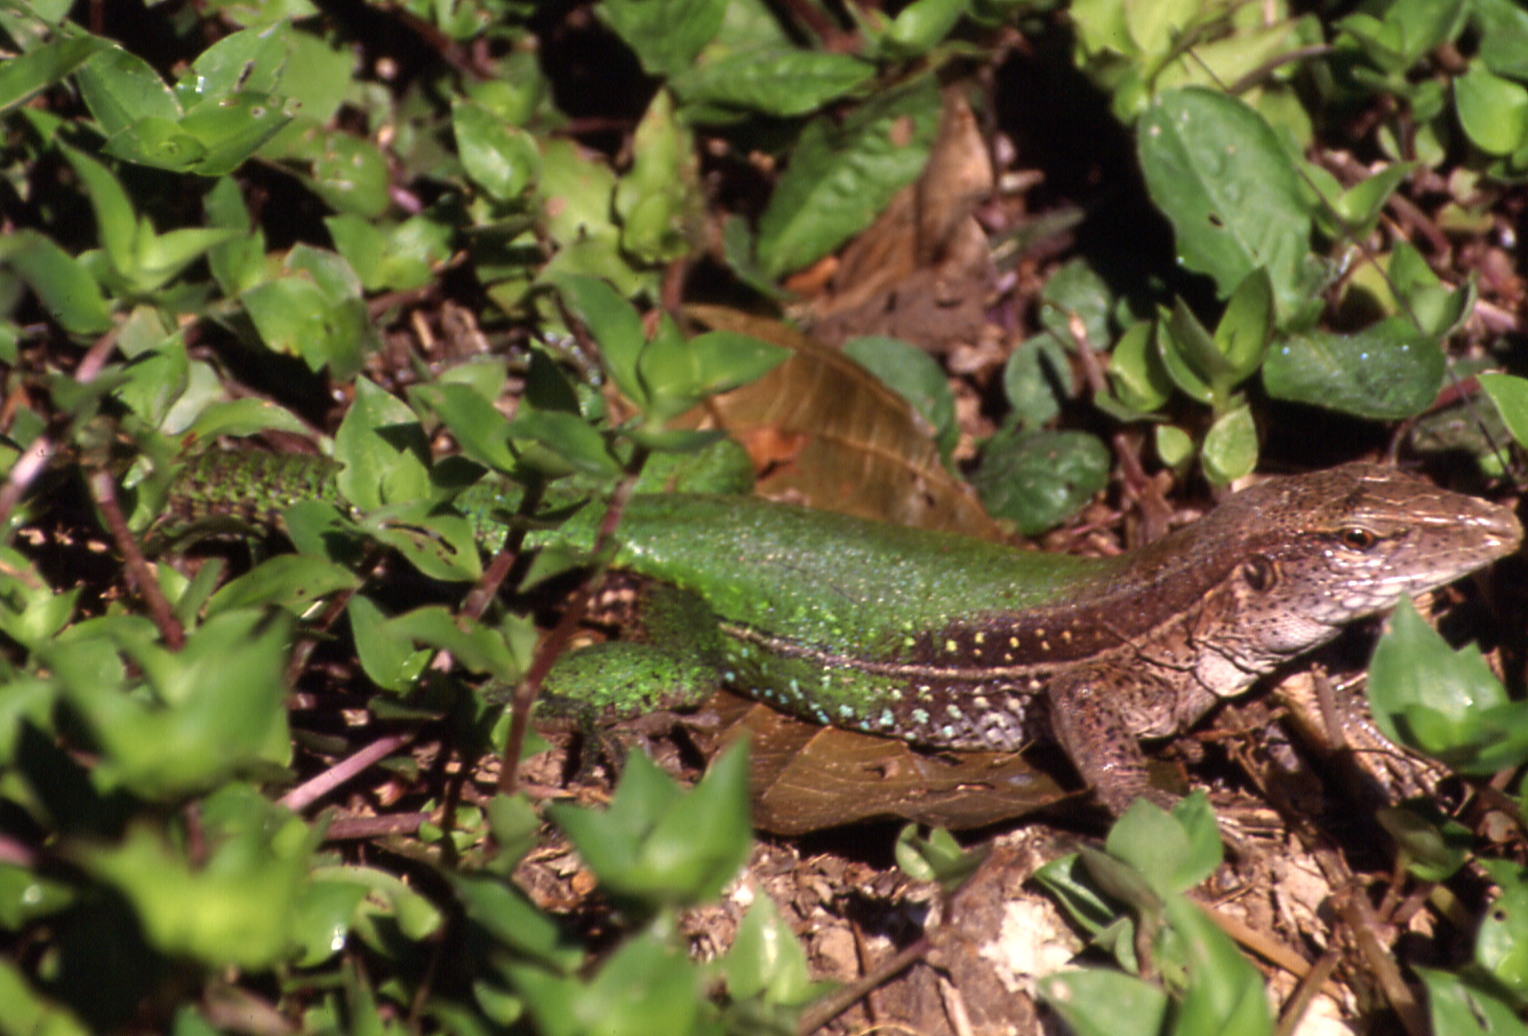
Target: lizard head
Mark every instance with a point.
(1353, 540)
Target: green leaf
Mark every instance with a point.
(1172, 851)
(646, 986)
(234, 129)
(495, 906)
(321, 919)
(1360, 206)
(383, 450)
(1136, 370)
(290, 581)
(1036, 378)
(315, 80)
(1077, 293)
(116, 221)
(351, 175)
(766, 961)
(1445, 703)
(1458, 1006)
(1095, 1002)
(250, 60)
(1242, 334)
(645, 850)
(30, 1012)
(1492, 110)
(936, 857)
(1386, 371)
(1501, 943)
(65, 288)
(1158, 28)
(241, 417)
(1222, 177)
(238, 263)
(679, 373)
(568, 437)
(666, 34)
(1175, 448)
(26, 895)
(842, 174)
(615, 325)
(161, 257)
(121, 89)
(314, 312)
(1510, 394)
(1501, 28)
(915, 376)
(1432, 308)
(217, 708)
(155, 381)
(1432, 845)
(659, 200)
(476, 646)
(480, 429)
(1068, 880)
(30, 612)
(1230, 447)
(575, 191)
(1225, 992)
(919, 26)
(501, 159)
(156, 142)
(1039, 479)
(35, 70)
(232, 907)
(779, 81)
(293, 316)
(1190, 357)
(391, 663)
(1405, 32)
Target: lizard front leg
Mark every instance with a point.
(1086, 719)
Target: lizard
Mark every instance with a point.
(950, 642)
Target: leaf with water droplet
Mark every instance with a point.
(1386, 371)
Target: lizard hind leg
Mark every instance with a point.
(671, 664)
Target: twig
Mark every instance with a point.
(831, 1006)
(1355, 910)
(371, 827)
(26, 469)
(139, 575)
(310, 791)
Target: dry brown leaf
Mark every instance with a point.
(805, 778)
(923, 270)
(825, 432)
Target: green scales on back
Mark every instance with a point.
(861, 624)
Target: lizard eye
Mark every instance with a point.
(1357, 539)
(1260, 573)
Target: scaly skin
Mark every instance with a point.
(951, 642)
